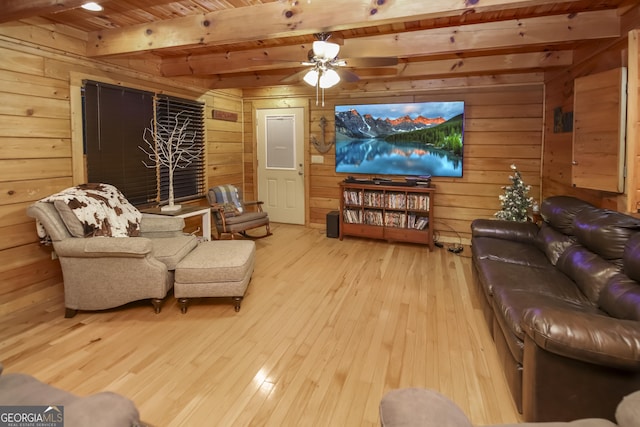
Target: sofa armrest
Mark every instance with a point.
(151, 223)
(104, 409)
(420, 407)
(99, 247)
(525, 232)
(589, 337)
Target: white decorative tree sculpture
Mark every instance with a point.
(172, 146)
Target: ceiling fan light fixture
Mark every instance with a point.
(329, 78)
(92, 6)
(325, 50)
(311, 78)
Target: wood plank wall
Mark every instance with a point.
(503, 126)
(633, 123)
(557, 153)
(225, 147)
(593, 58)
(38, 63)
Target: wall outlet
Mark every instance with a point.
(317, 159)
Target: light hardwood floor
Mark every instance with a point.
(325, 329)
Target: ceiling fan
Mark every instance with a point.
(327, 69)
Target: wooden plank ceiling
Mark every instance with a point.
(249, 43)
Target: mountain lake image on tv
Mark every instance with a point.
(412, 139)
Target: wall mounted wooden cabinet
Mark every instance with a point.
(599, 122)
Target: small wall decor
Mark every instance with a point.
(567, 121)
(322, 146)
(224, 115)
(562, 122)
(557, 120)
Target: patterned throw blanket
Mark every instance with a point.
(99, 209)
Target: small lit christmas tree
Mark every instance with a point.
(515, 200)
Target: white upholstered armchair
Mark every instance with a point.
(106, 272)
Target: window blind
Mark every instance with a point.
(115, 119)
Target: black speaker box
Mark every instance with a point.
(333, 224)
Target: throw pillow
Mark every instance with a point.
(628, 411)
(69, 218)
(230, 210)
(228, 194)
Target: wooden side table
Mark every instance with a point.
(186, 212)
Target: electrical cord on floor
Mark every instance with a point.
(453, 248)
(436, 236)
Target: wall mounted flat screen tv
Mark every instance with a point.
(412, 139)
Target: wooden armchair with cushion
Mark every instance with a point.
(110, 253)
(233, 215)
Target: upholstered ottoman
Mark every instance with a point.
(220, 268)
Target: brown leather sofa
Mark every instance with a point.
(562, 301)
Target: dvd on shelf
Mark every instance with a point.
(353, 216)
(418, 201)
(417, 222)
(352, 197)
(387, 212)
(396, 200)
(395, 219)
(373, 217)
(373, 198)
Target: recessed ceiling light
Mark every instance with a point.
(92, 6)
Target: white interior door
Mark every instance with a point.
(280, 134)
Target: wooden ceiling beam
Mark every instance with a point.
(504, 34)
(487, 64)
(13, 10)
(236, 61)
(277, 19)
(514, 34)
(373, 89)
(439, 84)
(483, 65)
(275, 77)
(249, 80)
(410, 86)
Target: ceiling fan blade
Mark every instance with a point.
(371, 62)
(276, 61)
(295, 77)
(347, 75)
